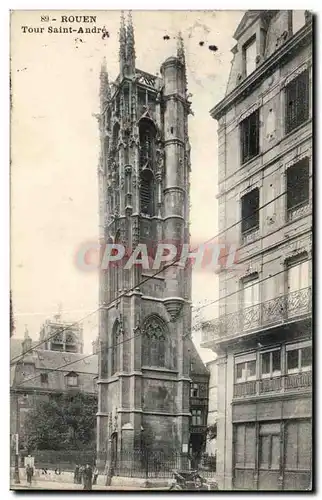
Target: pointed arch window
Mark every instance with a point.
(147, 158)
(116, 347)
(147, 141)
(154, 343)
(147, 192)
(116, 131)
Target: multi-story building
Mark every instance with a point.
(263, 335)
(198, 405)
(43, 369)
(145, 321)
(40, 373)
(212, 406)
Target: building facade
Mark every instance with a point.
(40, 372)
(68, 339)
(263, 336)
(212, 405)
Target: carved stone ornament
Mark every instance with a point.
(295, 74)
(134, 140)
(173, 306)
(110, 422)
(135, 180)
(135, 233)
(128, 169)
(115, 421)
(252, 269)
(117, 211)
(249, 111)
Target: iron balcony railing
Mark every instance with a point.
(299, 210)
(284, 383)
(250, 235)
(274, 312)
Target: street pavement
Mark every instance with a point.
(55, 485)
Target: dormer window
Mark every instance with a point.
(249, 56)
(72, 379)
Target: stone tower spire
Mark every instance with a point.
(180, 48)
(122, 50)
(105, 91)
(181, 56)
(130, 46)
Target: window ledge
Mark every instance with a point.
(253, 159)
(159, 369)
(296, 129)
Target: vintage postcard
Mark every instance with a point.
(161, 250)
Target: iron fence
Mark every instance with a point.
(136, 463)
(157, 464)
(64, 460)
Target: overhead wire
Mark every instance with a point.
(166, 266)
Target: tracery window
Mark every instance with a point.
(154, 342)
(70, 339)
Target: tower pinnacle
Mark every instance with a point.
(27, 342)
(181, 57)
(26, 334)
(130, 45)
(180, 48)
(105, 91)
(122, 39)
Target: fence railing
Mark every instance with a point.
(138, 463)
(267, 314)
(157, 464)
(276, 384)
(64, 460)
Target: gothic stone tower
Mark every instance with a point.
(144, 171)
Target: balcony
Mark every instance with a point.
(198, 429)
(145, 78)
(198, 401)
(281, 384)
(300, 210)
(250, 235)
(272, 313)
